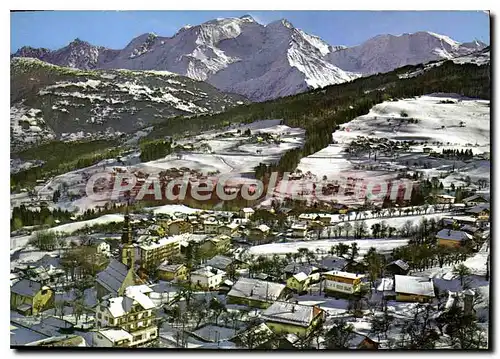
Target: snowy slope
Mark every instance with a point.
(385, 53)
(460, 123)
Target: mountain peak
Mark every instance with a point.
(247, 17)
(78, 42)
(281, 22)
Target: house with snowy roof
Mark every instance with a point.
(221, 262)
(298, 283)
(292, 318)
(255, 293)
(130, 317)
(29, 297)
(413, 289)
(312, 272)
(114, 279)
(207, 278)
(299, 229)
(452, 238)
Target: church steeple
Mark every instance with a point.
(127, 247)
(127, 230)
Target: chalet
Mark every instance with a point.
(30, 298)
(46, 275)
(292, 318)
(343, 282)
(451, 238)
(172, 272)
(299, 229)
(218, 244)
(60, 341)
(221, 242)
(155, 250)
(413, 289)
(255, 293)
(475, 199)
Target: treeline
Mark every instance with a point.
(24, 216)
(61, 157)
(152, 150)
(454, 153)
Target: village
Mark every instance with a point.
(263, 278)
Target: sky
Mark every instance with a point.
(115, 29)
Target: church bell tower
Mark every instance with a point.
(127, 248)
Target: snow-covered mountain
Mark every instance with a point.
(234, 54)
(385, 53)
(258, 61)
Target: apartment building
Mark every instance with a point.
(126, 321)
(155, 250)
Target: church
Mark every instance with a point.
(119, 275)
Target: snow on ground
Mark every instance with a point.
(382, 245)
(398, 222)
(173, 208)
(75, 226)
(386, 120)
(21, 241)
(463, 124)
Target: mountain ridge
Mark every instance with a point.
(260, 62)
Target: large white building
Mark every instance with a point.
(207, 277)
(126, 321)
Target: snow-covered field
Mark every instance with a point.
(382, 245)
(385, 121)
